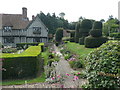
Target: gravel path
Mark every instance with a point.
(62, 68)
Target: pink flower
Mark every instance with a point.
(53, 78)
(75, 78)
(78, 73)
(67, 74)
(62, 86)
(58, 76)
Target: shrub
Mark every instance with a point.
(59, 34)
(86, 24)
(115, 35)
(93, 42)
(97, 25)
(76, 64)
(72, 39)
(103, 66)
(24, 65)
(96, 33)
(9, 50)
(77, 34)
(81, 40)
(25, 45)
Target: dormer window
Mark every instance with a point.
(7, 28)
(36, 30)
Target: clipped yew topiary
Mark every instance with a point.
(77, 33)
(97, 25)
(103, 66)
(86, 25)
(95, 39)
(59, 34)
(93, 42)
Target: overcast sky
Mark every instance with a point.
(90, 9)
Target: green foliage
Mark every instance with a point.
(25, 45)
(97, 25)
(59, 34)
(96, 33)
(115, 35)
(81, 40)
(76, 64)
(52, 22)
(77, 34)
(9, 50)
(93, 42)
(24, 65)
(110, 26)
(104, 66)
(86, 24)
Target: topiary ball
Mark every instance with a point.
(97, 25)
(103, 66)
(96, 33)
(86, 24)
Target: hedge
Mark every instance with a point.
(96, 33)
(97, 25)
(81, 40)
(25, 65)
(93, 42)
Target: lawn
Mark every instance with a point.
(19, 82)
(78, 49)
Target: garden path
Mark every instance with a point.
(62, 68)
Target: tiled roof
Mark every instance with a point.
(15, 20)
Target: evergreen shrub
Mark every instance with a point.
(96, 33)
(103, 66)
(93, 42)
(97, 25)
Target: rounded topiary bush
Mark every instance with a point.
(81, 40)
(97, 25)
(103, 66)
(96, 33)
(86, 24)
(93, 42)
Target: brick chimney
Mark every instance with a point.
(24, 12)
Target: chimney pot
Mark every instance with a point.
(24, 12)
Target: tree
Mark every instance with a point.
(59, 34)
(62, 14)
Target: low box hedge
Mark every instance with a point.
(25, 65)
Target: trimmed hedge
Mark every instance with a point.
(96, 33)
(97, 25)
(25, 65)
(81, 40)
(93, 42)
(86, 24)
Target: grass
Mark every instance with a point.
(78, 49)
(19, 82)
